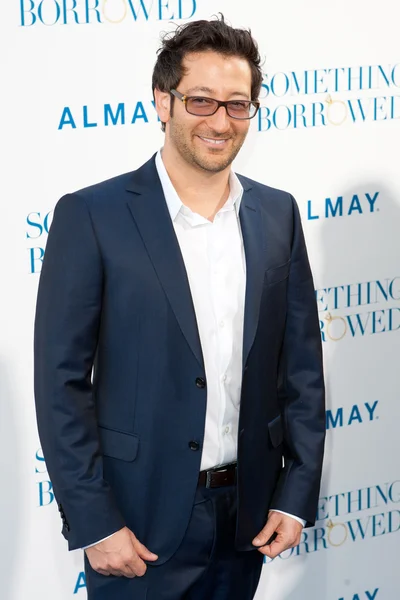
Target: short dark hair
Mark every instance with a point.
(199, 36)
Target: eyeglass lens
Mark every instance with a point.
(239, 109)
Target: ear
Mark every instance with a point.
(163, 105)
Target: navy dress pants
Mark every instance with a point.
(206, 565)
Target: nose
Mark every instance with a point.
(219, 121)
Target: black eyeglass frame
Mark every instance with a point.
(225, 103)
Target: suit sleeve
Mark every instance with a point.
(301, 389)
(66, 333)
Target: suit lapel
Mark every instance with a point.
(150, 212)
(251, 224)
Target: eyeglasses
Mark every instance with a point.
(201, 106)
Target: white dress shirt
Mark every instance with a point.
(213, 253)
(215, 264)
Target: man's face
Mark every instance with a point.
(210, 143)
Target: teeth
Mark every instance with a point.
(213, 141)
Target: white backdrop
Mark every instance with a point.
(329, 133)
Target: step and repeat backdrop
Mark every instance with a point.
(76, 106)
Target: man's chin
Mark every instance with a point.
(213, 164)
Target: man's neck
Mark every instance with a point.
(203, 192)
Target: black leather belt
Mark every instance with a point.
(223, 475)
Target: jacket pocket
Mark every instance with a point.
(118, 444)
(276, 431)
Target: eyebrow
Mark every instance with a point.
(208, 90)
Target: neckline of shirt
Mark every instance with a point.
(175, 204)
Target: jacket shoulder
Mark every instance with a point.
(104, 191)
(266, 192)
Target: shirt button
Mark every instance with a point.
(194, 445)
(221, 323)
(227, 429)
(224, 377)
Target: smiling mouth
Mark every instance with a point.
(215, 142)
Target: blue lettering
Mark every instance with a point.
(376, 524)
(95, 9)
(120, 114)
(161, 6)
(355, 205)
(30, 11)
(391, 292)
(71, 9)
(67, 119)
(377, 319)
(372, 595)
(56, 16)
(336, 71)
(355, 415)
(319, 536)
(382, 494)
(263, 115)
(287, 120)
(391, 310)
(382, 290)
(139, 113)
(40, 458)
(334, 421)
(180, 12)
(34, 258)
(334, 209)
(315, 114)
(371, 409)
(142, 6)
(296, 82)
(301, 115)
(321, 326)
(86, 119)
(319, 78)
(372, 201)
(286, 83)
(81, 583)
(33, 224)
(359, 324)
(390, 521)
(309, 211)
(358, 528)
(379, 107)
(394, 99)
(359, 108)
(43, 500)
(385, 77)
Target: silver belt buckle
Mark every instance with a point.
(208, 479)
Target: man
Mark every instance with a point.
(178, 372)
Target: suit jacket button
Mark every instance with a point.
(200, 382)
(194, 445)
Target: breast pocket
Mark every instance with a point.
(277, 274)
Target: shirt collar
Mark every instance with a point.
(174, 203)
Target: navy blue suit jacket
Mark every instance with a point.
(117, 355)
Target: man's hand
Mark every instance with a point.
(122, 555)
(288, 533)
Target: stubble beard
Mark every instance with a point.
(188, 152)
